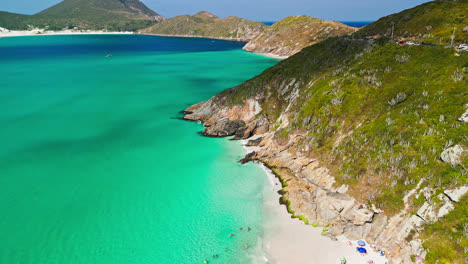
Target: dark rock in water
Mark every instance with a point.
(231, 127)
(248, 157)
(240, 133)
(186, 112)
(254, 142)
(224, 129)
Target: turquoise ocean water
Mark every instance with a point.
(95, 166)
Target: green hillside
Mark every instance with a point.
(86, 14)
(400, 105)
(432, 22)
(344, 83)
(379, 117)
(205, 24)
(13, 21)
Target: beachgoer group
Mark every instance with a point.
(215, 256)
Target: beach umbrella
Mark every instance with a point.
(362, 250)
(361, 243)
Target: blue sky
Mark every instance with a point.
(262, 10)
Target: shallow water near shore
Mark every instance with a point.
(96, 167)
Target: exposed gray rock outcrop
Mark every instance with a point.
(457, 193)
(418, 248)
(254, 142)
(224, 129)
(427, 213)
(452, 155)
(464, 116)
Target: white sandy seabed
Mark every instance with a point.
(290, 241)
(38, 32)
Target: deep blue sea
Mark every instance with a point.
(356, 23)
(349, 23)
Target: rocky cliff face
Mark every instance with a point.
(205, 24)
(290, 35)
(358, 148)
(311, 192)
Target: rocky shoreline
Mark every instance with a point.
(309, 190)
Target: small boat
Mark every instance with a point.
(109, 55)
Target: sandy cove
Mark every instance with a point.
(288, 240)
(40, 32)
(310, 190)
(271, 55)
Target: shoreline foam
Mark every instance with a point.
(39, 32)
(270, 55)
(288, 240)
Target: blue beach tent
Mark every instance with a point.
(361, 243)
(362, 250)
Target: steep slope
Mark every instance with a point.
(370, 139)
(290, 35)
(366, 137)
(432, 22)
(13, 21)
(86, 14)
(205, 24)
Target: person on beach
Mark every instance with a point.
(350, 244)
(342, 260)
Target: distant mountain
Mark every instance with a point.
(205, 24)
(86, 14)
(433, 22)
(290, 35)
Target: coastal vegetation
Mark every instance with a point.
(384, 119)
(353, 86)
(205, 24)
(447, 239)
(112, 15)
(387, 121)
(433, 22)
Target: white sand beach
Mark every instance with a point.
(290, 241)
(40, 32)
(272, 55)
